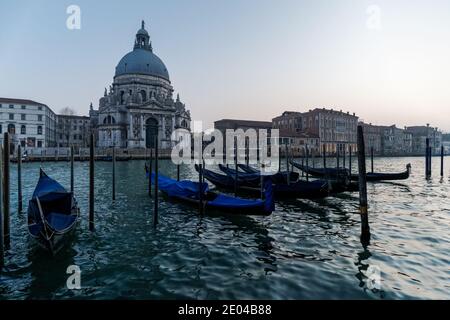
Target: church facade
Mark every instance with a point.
(140, 102)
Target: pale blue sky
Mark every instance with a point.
(248, 59)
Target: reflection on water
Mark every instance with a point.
(308, 249)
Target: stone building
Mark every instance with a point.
(72, 130)
(335, 129)
(396, 141)
(419, 134)
(139, 102)
(29, 123)
(373, 138)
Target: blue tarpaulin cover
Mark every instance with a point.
(190, 189)
(56, 205)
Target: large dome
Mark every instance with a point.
(142, 61)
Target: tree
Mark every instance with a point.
(68, 111)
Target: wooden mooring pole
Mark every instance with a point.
(350, 160)
(178, 172)
(279, 157)
(19, 179)
(114, 174)
(371, 160)
(287, 166)
(344, 155)
(6, 190)
(442, 161)
(427, 159)
(236, 172)
(2, 240)
(150, 173)
(156, 203)
(363, 204)
(71, 169)
(91, 182)
(307, 162)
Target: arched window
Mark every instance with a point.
(122, 93)
(23, 129)
(144, 95)
(39, 130)
(184, 124)
(11, 129)
(109, 120)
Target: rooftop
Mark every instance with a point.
(21, 101)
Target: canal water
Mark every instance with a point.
(305, 250)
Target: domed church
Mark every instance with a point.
(139, 102)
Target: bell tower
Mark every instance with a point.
(143, 39)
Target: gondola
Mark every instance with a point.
(321, 172)
(188, 192)
(52, 214)
(300, 189)
(374, 176)
(339, 180)
(254, 178)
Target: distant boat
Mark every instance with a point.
(189, 192)
(373, 176)
(342, 173)
(52, 214)
(298, 189)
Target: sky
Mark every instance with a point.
(387, 61)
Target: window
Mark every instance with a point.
(11, 116)
(39, 117)
(23, 117)
(75, 137)
(11, 129)
(109, 120)
(1, 106)
(39, 144)
(1, 128)
(39, 130)
(23, 129)
(74, 127)
(40, 108)
(11, 106)
(60, 136)
(24, 107)
(80, 137)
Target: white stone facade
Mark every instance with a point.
(139, 100)
(30, 124)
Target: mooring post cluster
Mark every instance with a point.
(363, 204)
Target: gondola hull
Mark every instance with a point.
(253, 178)
(52, 215)
(374, 177)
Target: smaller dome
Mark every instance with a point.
(142, 32)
